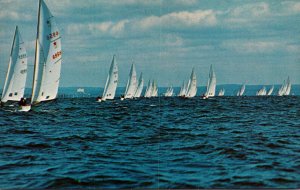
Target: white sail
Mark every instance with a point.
(261, 92)
(270, 91)
(131, 83)
(211, 83)
(241, 90)
(221, 92)
(48, 57)
(112, 81)
(282, 89)
(288, 87)
(154, 89)
(169, 92)
(140, 87)
(182, 90)
(15, 81)
(192, 86)
(148, 92)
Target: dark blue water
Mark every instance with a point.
(228, 142)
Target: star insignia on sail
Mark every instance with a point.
(55, 45)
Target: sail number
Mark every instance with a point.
(22, 56)
(23, 71)
(52, 35)
(56, 55)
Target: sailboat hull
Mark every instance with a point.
(25, 108)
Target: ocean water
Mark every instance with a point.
(222, 142)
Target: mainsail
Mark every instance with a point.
(211, 83)
(169, 92)
(48, 57)
(288, 87)
(261, 92)
(282, 89)
(182, 90)
(139, 89)
(285, 88)
(221, 92)
(148, 92)
(270, 91)
(241, 90)
(15, 81)
(131, 83)
(112, 81)
(192, 85)
(154, 89)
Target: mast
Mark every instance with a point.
(36, 64)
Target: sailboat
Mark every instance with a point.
(211, 84)
(261, 92)
(111, 82)
(282, 89)
(221, 92)
(154, 89)
(182, 90)
(148, 92)
(131, 84)
(15, 81)
(270, 91)
(289, 87)
(192, 86)
(139, 89)
(285, 88)
(48, 58)
(169, 92)
(241, 90)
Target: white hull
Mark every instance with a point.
(25, 108)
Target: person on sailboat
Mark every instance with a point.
(22, 102)
(99, 98)
(204, 96)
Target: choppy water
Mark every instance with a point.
(229, 142)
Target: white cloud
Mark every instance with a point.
(180, 19)
(173, 40)
(102, 28)
(246, 14)
(253, 46)
(291, 7)
(13, 15)
(183, 19)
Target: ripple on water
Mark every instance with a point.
(226, 142)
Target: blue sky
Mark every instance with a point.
(257, 42)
